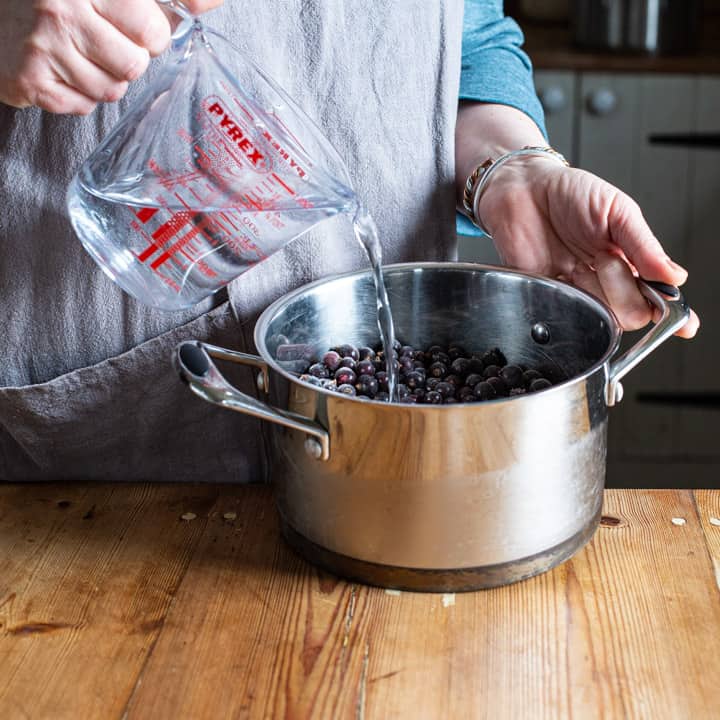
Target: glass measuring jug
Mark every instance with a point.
(213, 169)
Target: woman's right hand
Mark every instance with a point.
(65, 56)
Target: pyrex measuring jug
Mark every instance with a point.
(212, 169)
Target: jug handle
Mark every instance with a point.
(192, 361)
(675, 313)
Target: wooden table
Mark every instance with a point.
(112, 606)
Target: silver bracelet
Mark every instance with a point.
(478, 179)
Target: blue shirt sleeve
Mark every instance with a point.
(495, 69)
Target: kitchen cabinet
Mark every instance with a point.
(557, 92)
(609, 123)
(616, 120)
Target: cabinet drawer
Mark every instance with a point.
(557, 93)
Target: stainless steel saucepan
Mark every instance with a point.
(438, 498)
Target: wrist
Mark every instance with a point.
(513, 164)
(489, 130)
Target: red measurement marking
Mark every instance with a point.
(157, 263)
(180, 245)
(163, 235)
(172, 227)
(227, 219)
(144, 214)
(145, 254)
(203, 155)
(218, 224)
(189, 249)
(253, 202)
(290, 190)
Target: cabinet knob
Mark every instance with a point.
(602, 101)
(552, 99)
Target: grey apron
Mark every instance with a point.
(87, 390)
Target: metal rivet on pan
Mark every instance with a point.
(619, 392)
(313, 448)
(260, 382)
(540, 333)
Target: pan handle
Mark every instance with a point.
(193, 363)
(675, 313)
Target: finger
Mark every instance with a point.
(197, 7)
(57, 97)
(109, 49)
(629, 230)
(690, 328)
(142, 21)
(88, 79)
(586, 279)
(622, 292)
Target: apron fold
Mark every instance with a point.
(131, 418)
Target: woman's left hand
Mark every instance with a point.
(567, 223)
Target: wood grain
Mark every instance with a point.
(87, 574)
(217, 618)
(708, 506)
(268, 633)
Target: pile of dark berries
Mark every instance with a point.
(435, 376)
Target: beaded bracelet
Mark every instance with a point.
(480, 176)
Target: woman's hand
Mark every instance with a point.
(559, 221)
(567, 223)
(66, 56)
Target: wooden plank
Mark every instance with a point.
(651, 603)
(627, 628)
(256, 631)
(708, 505)
(87, 574)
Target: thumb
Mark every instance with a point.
(631, 233)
